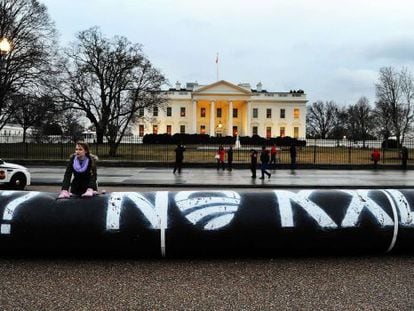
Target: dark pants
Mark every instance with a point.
(293, 163)
(404, 164)
(253, 169)
(273, 160)
(178, 166)
(80, 185)
(264, 170)
(230, 165)
(220, 163)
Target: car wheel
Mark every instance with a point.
(18, 181)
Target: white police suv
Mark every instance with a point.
(14, 176)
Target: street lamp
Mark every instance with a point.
(5, 48)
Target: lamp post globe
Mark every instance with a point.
(5, 46)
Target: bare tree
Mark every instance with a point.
(72, 125)
(31, 33)
(381, 115)
(360, 120)
(407, 94)
(395, 91)
(321, 118)
(109, 80)
(341, 124)
(30, 111)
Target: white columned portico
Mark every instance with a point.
(212, 107)
(194, 117)
(249, 118)
(230, 121)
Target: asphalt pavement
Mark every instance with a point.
(285, 283)
(237, 178)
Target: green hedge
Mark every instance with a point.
(199, 139)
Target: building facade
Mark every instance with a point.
(226, 109)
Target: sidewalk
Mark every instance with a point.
(238, 178)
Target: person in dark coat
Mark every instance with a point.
(82, 165)
(404, 157)
(230, 158)
(264, 159)
(253, 162)
(179, 158)
(292, 156)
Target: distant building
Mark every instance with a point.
(225, 109)
(11, 130)
(12, 133)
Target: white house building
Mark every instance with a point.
(226, 109)
(12, 133)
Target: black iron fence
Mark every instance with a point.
(324, 152)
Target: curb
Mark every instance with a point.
(227, 186)
(118, 163)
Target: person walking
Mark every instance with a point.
(292, 156)
(82, 165)
(404, 157)
(220, 157)
(264, 159)
(230, 158)
(253, 162)
(273, 153)
(179, 158)
(375, 156)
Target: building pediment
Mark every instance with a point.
(222, 88)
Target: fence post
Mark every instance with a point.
(26, 150)
(349, 151)
(166, 154)
(314, 152)
(61, 146)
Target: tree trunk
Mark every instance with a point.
(364, 138)
(113, 147)
(24, 134)
(99, 137)
(398, 140)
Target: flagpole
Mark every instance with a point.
(217, 63)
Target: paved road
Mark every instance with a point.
(127, 176)
(321, 283)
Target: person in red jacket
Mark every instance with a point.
(273, 153)
(220, 157)
(375, 156)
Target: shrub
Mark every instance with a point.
(390, 144)
(197, 139)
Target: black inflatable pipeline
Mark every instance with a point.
(209, 223)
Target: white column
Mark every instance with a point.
(194, 116)
(212, 107)
(230, 123)
(249, 118)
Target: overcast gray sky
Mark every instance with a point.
(331, 49)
